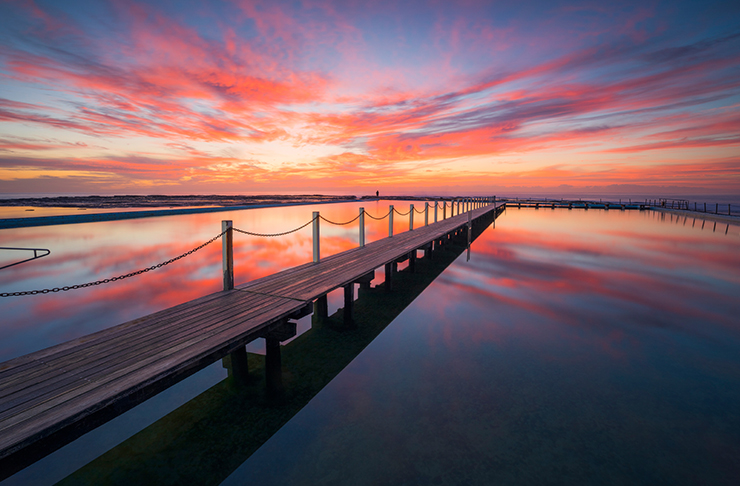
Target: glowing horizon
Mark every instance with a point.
(337, 97)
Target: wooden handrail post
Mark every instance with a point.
(316, 236)
(444, 209)
(426, 214)
(435, 211)
(411, 217)
(362, 227)
(390, 220)
(227, 253)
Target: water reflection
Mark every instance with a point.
(203, 441)
(88, 252)
(578, 348)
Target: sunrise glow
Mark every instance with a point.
(351, 97)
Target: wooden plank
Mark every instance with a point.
(38, 395)
(96, 349)
(163, 364)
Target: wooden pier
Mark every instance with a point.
(50, 397)
(543, 204)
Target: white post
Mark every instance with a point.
(426, 214)
(316, 248)
(227, 254)
(362, 227)
(411, 217)
(390, 220)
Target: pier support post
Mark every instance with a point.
(411, 217)
(273, 366)
(470, 227)
(273, 362)
(390, 220)
(388, 277)
(365, 280)
(321, 307)
(237, 366)
(349, 302)
(316, 247)
(362, 227)
(412, 261)
(227, 247)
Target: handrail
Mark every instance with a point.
(34, 257)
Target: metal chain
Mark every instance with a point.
(378, 219)
(420, 211)
(341, 224)
(402, 214)
(113, 279)
(272, 235)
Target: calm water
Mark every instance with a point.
(596, 347)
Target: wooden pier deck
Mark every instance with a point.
(50, 397)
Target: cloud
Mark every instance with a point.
(448, 86)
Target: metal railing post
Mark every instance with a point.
(362, 227)
(444, 210)
(435, 211)
(227, 254)
(426, 214)
(390, 220)
(316, 235)
(411, 217)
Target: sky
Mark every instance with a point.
(420, 98)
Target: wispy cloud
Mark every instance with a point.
(319, 90)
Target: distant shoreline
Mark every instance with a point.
(161, 201)
(32, 221)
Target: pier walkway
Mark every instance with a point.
(50, 397)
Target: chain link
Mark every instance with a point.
(402, 214)
(378, 219)
(341, 224)
(113, 279)
(272, 235)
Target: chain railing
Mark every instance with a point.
(112, 279)
(314, 220)
(272, 235)
(378, 219)
(341, 224)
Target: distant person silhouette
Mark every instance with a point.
(377, 193)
